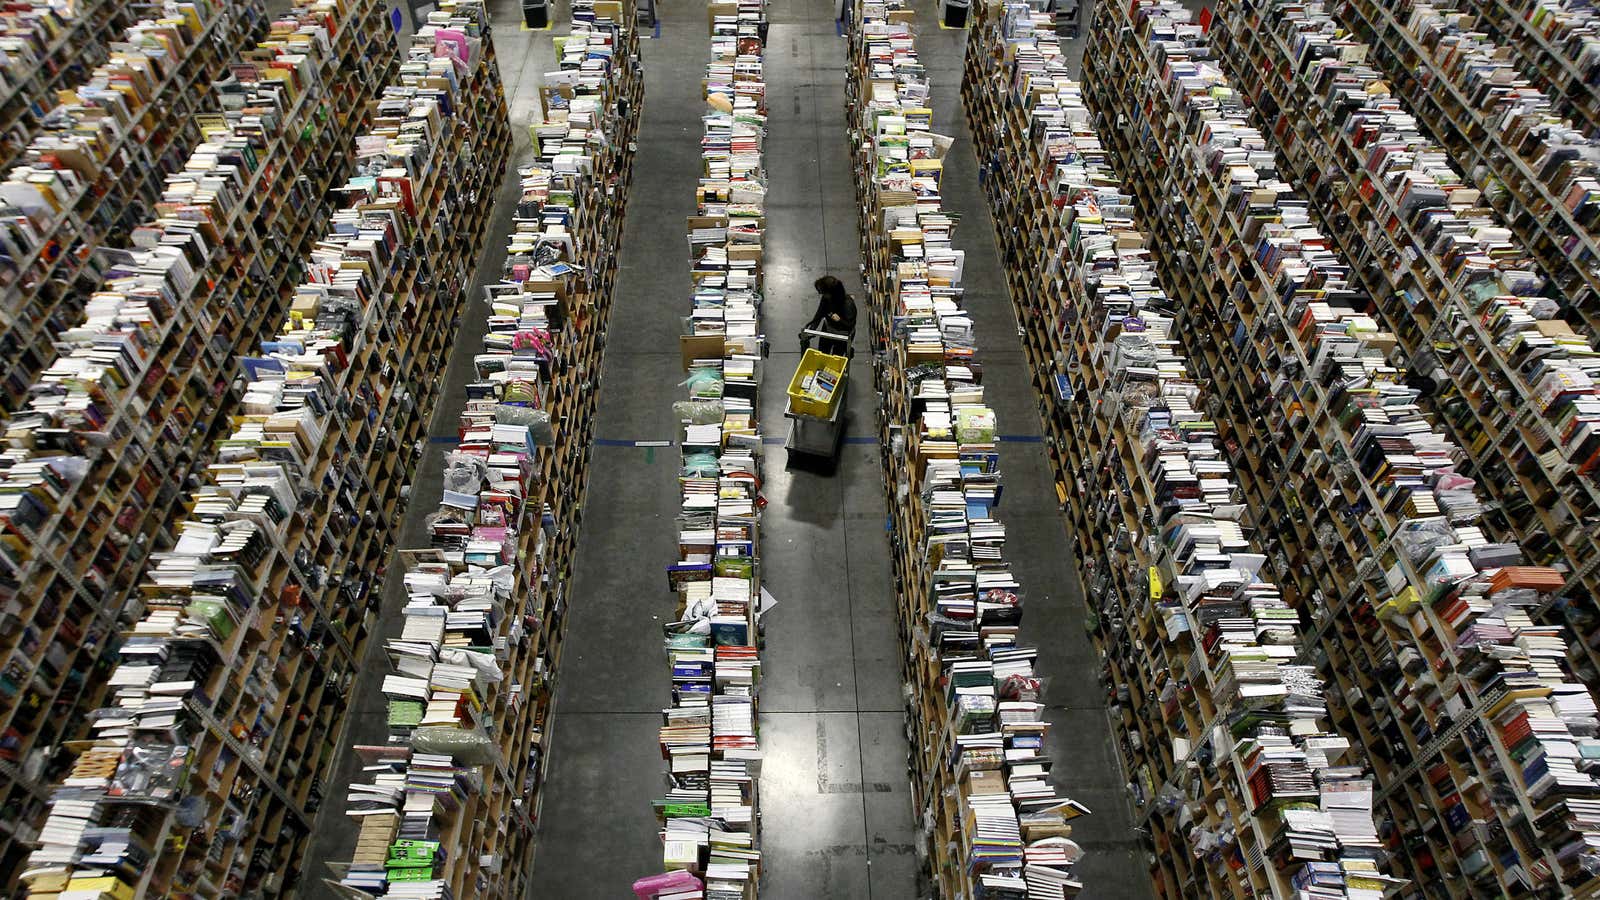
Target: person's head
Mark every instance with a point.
(831, 289)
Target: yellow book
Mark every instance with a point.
(107, 885)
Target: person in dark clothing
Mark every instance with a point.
(836, 314)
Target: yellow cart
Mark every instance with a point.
(816, 405)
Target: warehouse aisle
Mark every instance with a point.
(522, 56)
(1080, 735)
(835, 797)
(596, 829)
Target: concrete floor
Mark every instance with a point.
(837, 816)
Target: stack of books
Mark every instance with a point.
(1154, 500)
(1526, 142)
(116, 421)
(1557, 46)
(97, 158)
(45, 47)
(980, 767)
(250, 624)
(709, 814)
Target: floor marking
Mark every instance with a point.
(614, 442)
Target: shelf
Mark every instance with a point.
(93, 172)
(1417, 617)
(233, 675)
(1558, 48)
(1460, 86)
(95, 463)
(49, 47)
(1196, 642)
(1461, 304)
(475, 652)
(993, 822)
(710, 811)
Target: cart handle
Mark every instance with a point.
(829, 335)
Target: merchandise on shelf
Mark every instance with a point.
(1557, 45)
(993, 822)
(1544, 184)
(1236, 770)
(1450, 281)
(47, 46)
(1534, 166)
(1466, 710)
(709, 814)
(93, 172)
(122, 415)
(452, 798)
(234, 675)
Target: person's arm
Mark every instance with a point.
(848, 314)
(817, 317)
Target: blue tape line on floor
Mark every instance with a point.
(444, 439)
(1020, 438)
(852, 439)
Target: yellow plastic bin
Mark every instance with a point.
(805, 396)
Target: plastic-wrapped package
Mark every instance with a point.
(1418, 538)
(464, 473)
(1020, 687)
(704, 383)
(520, 392)
(544, 433)
(72, 468)
(154, 771)
(504, 578)
(483, 663)
(699, 412)
(999, 607)
(508, 414)
(466, 746)
(703, 608)
(537, 421)
(701, 464)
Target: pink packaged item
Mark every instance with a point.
(652, 886)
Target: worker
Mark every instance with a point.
(836, 314)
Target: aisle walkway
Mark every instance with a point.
(835, 797)
(838, 809)
(596, 830)
(1080, 743)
